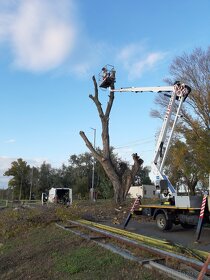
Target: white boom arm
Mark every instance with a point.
(178, 92)
(145, 89)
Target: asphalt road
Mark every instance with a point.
(185, 237)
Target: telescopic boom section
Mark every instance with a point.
(178, 92)
(146, 89)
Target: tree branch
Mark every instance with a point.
(90, 146)
(129, 175)
(96, 100)
(109, 104)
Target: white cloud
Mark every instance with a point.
(145, 64)
(10, 141)
(130, 51)
(5, 163)
(136, 60)
(41, 33)
(88, 57)
(82, 69)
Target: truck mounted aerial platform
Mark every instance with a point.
(174, 208)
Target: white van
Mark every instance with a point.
(60, 195)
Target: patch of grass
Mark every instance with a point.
(33, 248)
(92, 262)
(84, 259)
(50, 253)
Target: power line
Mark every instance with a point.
(146, 151)
(135, 143)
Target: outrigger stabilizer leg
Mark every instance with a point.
(200, 221)
(136, 203)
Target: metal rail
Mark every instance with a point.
(148, 263)
(117, 235)
(154, 242)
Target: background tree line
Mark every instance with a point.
(29, 182)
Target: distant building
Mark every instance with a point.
(146, 191)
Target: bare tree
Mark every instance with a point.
(194, 70)
(121, 176)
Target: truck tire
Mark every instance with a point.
(163, 223)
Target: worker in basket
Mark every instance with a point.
(105, 73)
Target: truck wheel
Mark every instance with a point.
(163, 223)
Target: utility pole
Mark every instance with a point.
(32, 173)
(92, 194)
(21, 182)
(209, 183)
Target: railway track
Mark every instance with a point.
(160, 255)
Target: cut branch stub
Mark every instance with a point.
(137, 159)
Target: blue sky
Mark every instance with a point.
(49, 50)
